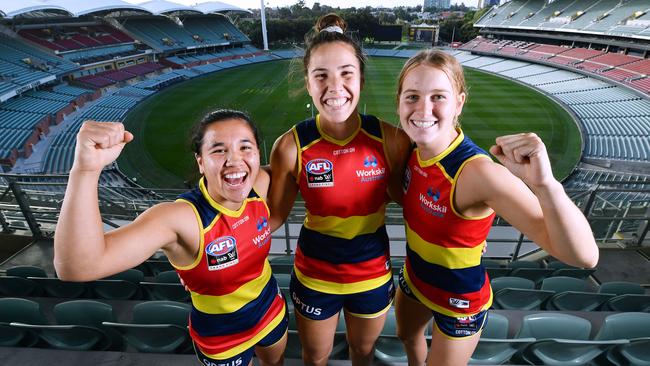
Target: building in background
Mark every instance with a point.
(484, 3)
(439, 4)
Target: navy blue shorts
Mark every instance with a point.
(316, 305)
(450, 326)
(244, 358)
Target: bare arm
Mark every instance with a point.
(524, 192)
(284, 188)
(82, 251)
(398, 147)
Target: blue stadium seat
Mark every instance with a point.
(634, 327)
(574, 346)
(388, 347)
(21, 311)
(494, 347)
(166, 286)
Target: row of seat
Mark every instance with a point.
(161, 326)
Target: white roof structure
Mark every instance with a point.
(163, 6)
(76, 8)
(218, 6)
(16, 7)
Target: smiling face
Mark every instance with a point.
(229, 160)
(334, 81)
(428, 108)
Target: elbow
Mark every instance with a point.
(591, 260)
(68, 271)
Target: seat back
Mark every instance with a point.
(496, 326)
(511, 282)
(524, 264)
(26, 271)
(554, 325)
(83, 312)
(161, 312)
(621, 288)
(131, 275)
(21, 311)
(17, 286)
(167, 277)
(561, 284)
(625, 326)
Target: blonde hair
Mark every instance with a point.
(439, 60)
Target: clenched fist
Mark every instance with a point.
(99, 144)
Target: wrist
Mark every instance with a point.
(76, 172)
(547, 188)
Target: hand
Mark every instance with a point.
(99, 144)
(525, 156)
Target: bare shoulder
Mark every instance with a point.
(284, 154)
(397, 141)
(486, 180)
(261, 184)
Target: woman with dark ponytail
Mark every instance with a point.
(343, 164)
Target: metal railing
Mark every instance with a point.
(618, 216)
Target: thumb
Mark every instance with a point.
(496, 151)
(128, 137)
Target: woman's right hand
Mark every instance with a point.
(99, 144)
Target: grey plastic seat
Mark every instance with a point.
(621, 288)
(628, 302)
(562, 283)
(577, 301)
(282, 264)
(523, 264)
(157, 326)
(79, 327)
(283, 280)
(511, 282)
(22, 311)
(26, 271)
(574, 346)
(121, 286)
(536, 275)
(494, 347)
(166, 286)
(157, 266)
(17, 286)
(54, 287)
(634, 327)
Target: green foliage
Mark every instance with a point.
(160, 155)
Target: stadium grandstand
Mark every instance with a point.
(66, 61)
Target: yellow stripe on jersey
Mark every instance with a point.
(251, 342)
(346, 228)
(436, 307)
(341, 288)
(229, 303)
(452, 258)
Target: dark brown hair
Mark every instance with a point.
(220, 115)
(320, 35)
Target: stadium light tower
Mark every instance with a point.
(264, 38)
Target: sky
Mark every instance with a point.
(333, 3)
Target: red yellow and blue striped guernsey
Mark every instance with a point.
(443, 254)
(235, 299)
(343, 245)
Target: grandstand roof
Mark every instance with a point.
(217, 6)
(163, 6)
(13, 8)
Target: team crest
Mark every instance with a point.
(320, 173)
(221, 253)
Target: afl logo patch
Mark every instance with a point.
(221, 253)
(320, 173)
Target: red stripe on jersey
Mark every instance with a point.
(477, 300)
(218, 344)
(341, 273)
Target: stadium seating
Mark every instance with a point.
(573, 347)
(494, 346)
(632, 326)
(157, 326)
(22, 311)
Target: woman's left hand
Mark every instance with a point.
(525, 156)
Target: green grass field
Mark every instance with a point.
(160, 155)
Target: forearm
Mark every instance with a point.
(569, 235)
(79, 235)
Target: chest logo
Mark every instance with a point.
(264, 232)
(429, 203)
(320, 173)
(221, 253)
(371, 171)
